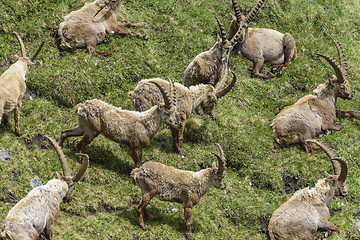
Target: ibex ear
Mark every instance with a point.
(58, 175)
(218, 39)
(213, 165)
(158, 104)
(327, 174)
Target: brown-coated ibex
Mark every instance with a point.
(314, 113)
(35, 214)
(307, 211)
(13, 86)
(211, 67)
(82, 28)
(129, 128)
(261, 45)
(199, 98)
(174, 185)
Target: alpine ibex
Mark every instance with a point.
(307, 211)
(200, 98)
(174, 185)
(211, 67)
(314, 113)
(261, 45)
(13, 86)
(130, 128)
(82, 28)
(35, 214)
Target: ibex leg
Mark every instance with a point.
(70, 133)
(130, 24)
(87, 139)
(189, 222)
(91, 46)
(257, 68)
(178, 137)
(289, 52)
(148, 188)
(17, 117)
(345, 113)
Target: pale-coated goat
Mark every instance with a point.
(174, 185)
(82, 28)
(199, 98)
(261, 45)
(314, 113)
(35, 214)
(307, 211)
(13, 86)
(130, 128)
(211, 67)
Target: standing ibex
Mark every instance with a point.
(261, 45)
(211, 67)
(82, 28)
(130, 128)
(13, 86)
(174, 185)
(36, 212)
(314, 113)
(200, 98)
(307, 211)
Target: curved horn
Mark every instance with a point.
(165, 95)
(32, 58)
(227, 89)
(172, 91)
(237, 10)
(337, 167)
(64, 163)
(341, 54)
(23, 52)
(84, 165)
(222, 31)
(340, 74)
(253, 11)
(102, 7)
(344, 168)
(237, 35)
(222, 160)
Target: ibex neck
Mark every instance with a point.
(151, 120)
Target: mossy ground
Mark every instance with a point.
(261, 176)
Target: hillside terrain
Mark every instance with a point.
(260, 175)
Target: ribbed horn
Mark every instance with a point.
(341, 54)
(344, 168)
(227, 89)
(172, 91)
(237, 35)
(340, 74)
(253, 11)
(222, 31)
(236, 10)
(221, 159)
(23, 52)
(32, 58)
(329, 152)
(84, 166)
(165, 95)
(64, 163)
(102, 7)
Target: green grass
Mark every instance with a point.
(260, 176)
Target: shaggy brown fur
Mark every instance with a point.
(174, 185)
(82, 28)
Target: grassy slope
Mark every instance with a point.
(258, 173)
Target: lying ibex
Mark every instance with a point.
(174, 185)
(314, 113)
(35, 214)
(13, 86)
(307, 211)
(211, 67)
(200, 98)
(81, 28)
(130, 128)
(261, 45)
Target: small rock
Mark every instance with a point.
(4, 156)
(35, 182)
(357, 224)
(174, 210)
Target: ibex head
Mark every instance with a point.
(240, 23)
(340, 166)
(340, 82)
(168, 109)
(30, 60)
(112, 4)
(218, 174)
(71, 181)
